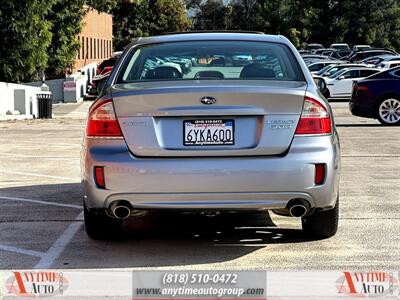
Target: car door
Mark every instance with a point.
(343, 84)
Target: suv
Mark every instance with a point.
(212, 139)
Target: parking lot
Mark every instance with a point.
(41, 224)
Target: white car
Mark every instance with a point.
(389, 64)
(361, 47)
(340, 84)
(318, 65)
(332, 69)
(340, 46)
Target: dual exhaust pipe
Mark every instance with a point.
(298, 208)
(123, 209)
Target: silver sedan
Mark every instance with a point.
(209, 123)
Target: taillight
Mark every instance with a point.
(315, 118)
(102, 121)
(360, 88)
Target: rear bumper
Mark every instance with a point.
(234, 183)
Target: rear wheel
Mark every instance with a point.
(322, 223)
(99, 226)
(388, 111)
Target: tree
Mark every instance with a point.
(25, 35)
(147, 17)
(67, 21)
(211, 15)
(66, 18)
(41, 35)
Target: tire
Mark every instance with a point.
(326, 93)
(99, 226)
(322, 224)
(388, 111)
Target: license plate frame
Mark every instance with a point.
(202, 139)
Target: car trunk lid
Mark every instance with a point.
(248, 117)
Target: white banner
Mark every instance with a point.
(332, 285)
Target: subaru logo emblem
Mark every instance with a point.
(208, 100)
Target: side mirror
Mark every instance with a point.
(341, 77)
(321, 84)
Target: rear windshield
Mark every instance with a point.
(210, 60)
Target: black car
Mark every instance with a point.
(378, 97)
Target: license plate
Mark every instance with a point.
(208, 132)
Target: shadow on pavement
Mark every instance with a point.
(155, 240)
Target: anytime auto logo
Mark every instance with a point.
(367, 284)
(36, 284)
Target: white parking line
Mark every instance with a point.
(21, 251)
(41, 202)
(37, 175)
(36, 156)
(72, 144)
(59, 245)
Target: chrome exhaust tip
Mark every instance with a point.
(120, 209)
(299, 208)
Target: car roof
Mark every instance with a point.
(391, 61)
(330, 61)
(356, 68)
(214, 35)
(374, 50)
(349, 65)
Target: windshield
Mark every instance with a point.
(323, 70)
(211, 60)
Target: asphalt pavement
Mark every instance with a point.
(41, 210)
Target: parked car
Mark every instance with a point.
(378, 97)
(375, 60)
(340, 46)
(316, 58)
(339, 85)
(97, 84)
(389, 64)
(388, 58)
(320, 51)
(214, 140)
(316, 66)
(314, 46)
(360, 55)
(361, 47)
(313, 56)
(340, 54)
(302, 51)
(107, 64)
(332, 69)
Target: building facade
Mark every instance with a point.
(95, 39)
